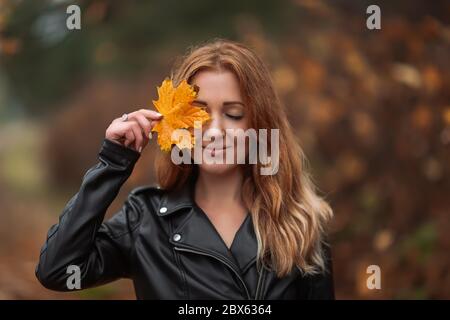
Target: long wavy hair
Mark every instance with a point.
(289, 218)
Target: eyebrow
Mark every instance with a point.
(226, 103)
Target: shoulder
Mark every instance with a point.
(146, 192)
(147, 197)
(140, 201)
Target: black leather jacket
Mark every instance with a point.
(162, 241)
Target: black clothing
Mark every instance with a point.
(162, 241)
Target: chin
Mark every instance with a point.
(217, 169)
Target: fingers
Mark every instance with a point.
(138, 135)
(129, 137)
(146, 119)
(136, 131)
(131, 132)
(143, 122)
(152, 115)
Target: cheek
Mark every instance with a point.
(240, 126)
(229, 123)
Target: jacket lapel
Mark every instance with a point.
(195, 231)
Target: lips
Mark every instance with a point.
(217, 148)
(214, 150)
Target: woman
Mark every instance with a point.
(209, 231)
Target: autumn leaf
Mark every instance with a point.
(175, 104)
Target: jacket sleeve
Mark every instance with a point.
(99, 251)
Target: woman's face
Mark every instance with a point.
(221, 97)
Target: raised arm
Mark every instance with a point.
(80, 239)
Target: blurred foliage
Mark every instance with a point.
(44, 60)
(370, 108)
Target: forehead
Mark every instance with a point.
(217, 85)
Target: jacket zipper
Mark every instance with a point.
(221, 260)
(258, 295)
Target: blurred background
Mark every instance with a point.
(371, 108)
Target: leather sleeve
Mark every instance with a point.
(101, 250)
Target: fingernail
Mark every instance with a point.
(140, 149)
(150, 135)
(159, 114)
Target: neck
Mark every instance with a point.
(219, 189)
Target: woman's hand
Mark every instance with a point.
(134, 130)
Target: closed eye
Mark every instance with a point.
(234, 117)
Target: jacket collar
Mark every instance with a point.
(198, 233)
(176, 199)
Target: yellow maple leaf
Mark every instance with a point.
(175, 104)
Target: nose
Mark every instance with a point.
(214, 130)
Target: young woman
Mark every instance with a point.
(208, 231)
